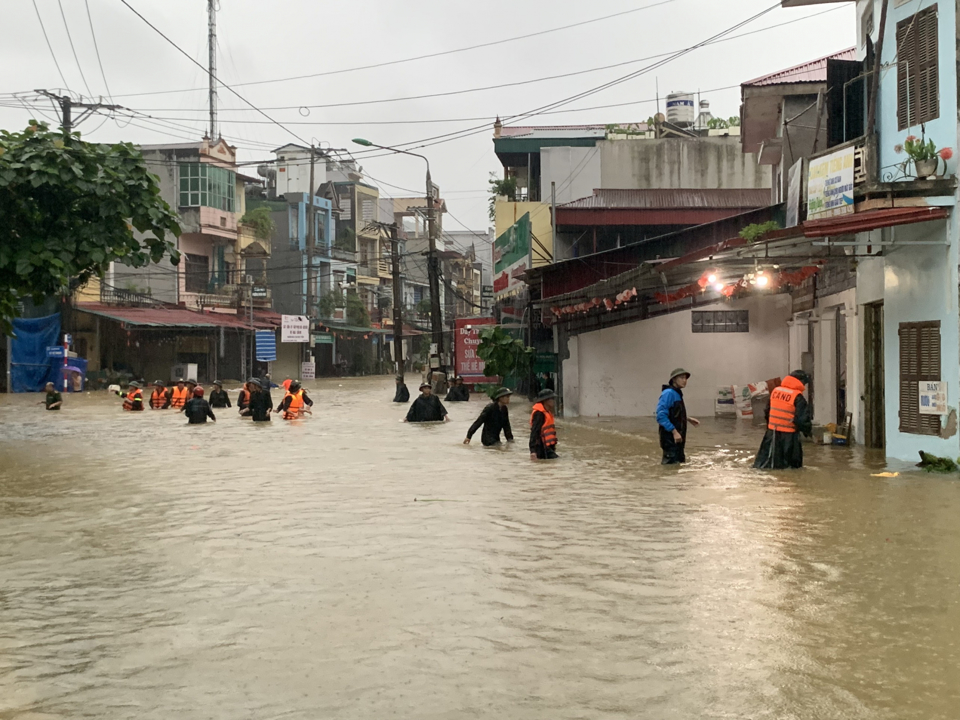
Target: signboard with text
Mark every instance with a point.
(294, 328)
(830, 185)
(469, 366)
(511, 257)
(933, 398)
(308, 371)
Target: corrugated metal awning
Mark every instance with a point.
(170, 317)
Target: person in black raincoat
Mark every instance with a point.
(458, 391)
(219, 397)
(197, 409)
(495, 419)
(788, 415)
(261, 404)
(672, 419)
(427, 407)
(403, 395)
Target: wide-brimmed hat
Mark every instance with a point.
(801, 376)
(295, 385)
(255, 381)
(425, 385)
(677, 373)
(191, 382)
(546, 395)
(502, 392)
(134, 384)
(159, 383)
(218, 383)
(180, 380)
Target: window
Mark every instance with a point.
(294, 215)
(919, 362)
(320, 239)
(369, 207)
(197, 273)
(918, 73)
(720, 321)
(203, 184)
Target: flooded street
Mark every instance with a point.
(349, 566)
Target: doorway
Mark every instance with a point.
(841, 367)
(873, 393)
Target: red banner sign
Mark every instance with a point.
(469, 366)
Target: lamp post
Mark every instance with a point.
(433, 269)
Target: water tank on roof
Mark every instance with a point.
(681, 109)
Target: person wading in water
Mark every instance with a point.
(788, 415)
(495, 419)
(672, 418)
(543, 431)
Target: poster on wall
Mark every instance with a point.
(308, 370)
(511, 258)
(294, 328)
(830, 185)
(469, 366)
(933, 398)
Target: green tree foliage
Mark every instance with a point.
(504, 356)
(356, 311)
(328, 303)
(506, 187)
(69, 208)
(757, 231)
(261, 220)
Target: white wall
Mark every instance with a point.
(620, 371)
(571, 379)
(576, 170)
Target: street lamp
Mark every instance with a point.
(433, 270)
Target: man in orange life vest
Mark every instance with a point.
(133, 397)
(788, 415)
(543, 432)
(160, 397)
(179, 395)
(295, 402)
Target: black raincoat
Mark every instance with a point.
(781, 450)
(495, 419)
(426, 408)
(403, 395)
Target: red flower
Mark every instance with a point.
(911, 138)
(946, 153)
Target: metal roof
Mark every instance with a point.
(682, 198)
(814, 71)
(169, 317)
(554, 131)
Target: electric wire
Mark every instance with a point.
(49, 46)
(73, 49)
(96, 47)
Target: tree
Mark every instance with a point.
(261, 221)
(506, 187)
(328, 303)
(356, 311)
(503, 354)
(69, 208)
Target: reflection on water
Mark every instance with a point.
(351, 566)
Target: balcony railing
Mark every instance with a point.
(115, 296)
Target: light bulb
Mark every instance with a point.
(711, 278)
(762, 281)
(718, 287)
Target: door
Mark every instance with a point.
(873, 397)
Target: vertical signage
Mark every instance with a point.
(469, 365)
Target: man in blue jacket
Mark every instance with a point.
(672, 418)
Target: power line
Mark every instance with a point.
(52, 54)
(73, 49)
(215, 78)
(96, 47)
(419, 57)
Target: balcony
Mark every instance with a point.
(127, 298)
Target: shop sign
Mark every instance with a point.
(830, 185)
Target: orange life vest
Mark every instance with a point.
(783, 407)
(243, 399)
(548, 433)
(129, 402)
(296, 405)
(179, 397)
(158, 398)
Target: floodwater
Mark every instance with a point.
(349, 566)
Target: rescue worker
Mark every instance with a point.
(495, 419)
(788, 415)
(261, 404)
(243, 400)
(427, 407)
(403, 395)
(54, 400)
(458, 391)
(133, 397)
(286, 384)
(295, 402)
(219, 397)
(160, 397)
(543, 430)
(197, 409)
(672, 419)
(179, 395)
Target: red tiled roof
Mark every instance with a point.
(814, 71)
(682, 198)
(175, 317)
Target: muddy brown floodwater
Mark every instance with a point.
(349, 566)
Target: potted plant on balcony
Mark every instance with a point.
(924, 154)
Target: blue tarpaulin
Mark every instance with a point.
(30, 368)
(266, 345)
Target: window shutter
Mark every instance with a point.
(918, 70)
(919, 361)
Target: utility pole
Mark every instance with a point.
(67, 104)
(311, 230)
(397, 299)
(212, 64)
(433, 271)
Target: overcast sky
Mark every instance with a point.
(268, 41)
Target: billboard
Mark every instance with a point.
(511, 258)
(469, 366)
(830, 185)
(294, 328)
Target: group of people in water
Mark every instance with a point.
(494, 418)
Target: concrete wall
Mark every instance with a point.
(288, 361)
(712, 162)
(620, 371)
(575, 170)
